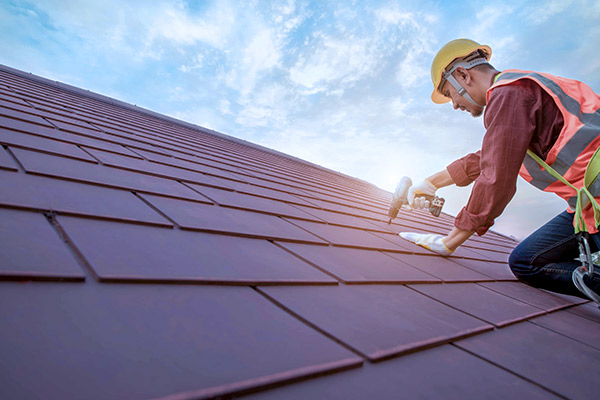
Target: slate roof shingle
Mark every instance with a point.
(146, 257)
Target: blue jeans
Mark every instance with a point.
(546, 259)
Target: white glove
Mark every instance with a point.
(416, 192)
(430, 241)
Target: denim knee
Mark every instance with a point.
(518, 261)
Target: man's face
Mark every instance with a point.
(459, 102)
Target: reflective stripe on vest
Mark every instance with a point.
(577, 141)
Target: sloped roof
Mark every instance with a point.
(145, 257)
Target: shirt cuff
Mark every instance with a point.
(471, 222)
(458, 174)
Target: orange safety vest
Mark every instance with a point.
(576, 143)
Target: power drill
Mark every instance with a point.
(401, 197)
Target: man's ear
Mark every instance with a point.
(463, 75)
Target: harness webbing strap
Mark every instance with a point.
(587, 267)
(595, 169)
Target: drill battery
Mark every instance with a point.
(435, 206)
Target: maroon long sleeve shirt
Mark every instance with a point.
(517, 117)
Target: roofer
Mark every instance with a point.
(558, 121)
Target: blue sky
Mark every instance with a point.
(343, 84)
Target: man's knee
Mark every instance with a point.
(518, 262)
(521, 266)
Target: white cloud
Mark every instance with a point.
(394, 16)
(285, 8)
(197, 62)
(225, 107)
(269, 106)
(178, 27)
(490, 14)
(287, 17)
(413, 29)
(398, 107)
(261, 54)
(339, 61)
(412, 70)
(140, 29)
(539, 14)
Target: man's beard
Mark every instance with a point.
(477, 113)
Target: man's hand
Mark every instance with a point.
(417, 194)
(430, 241)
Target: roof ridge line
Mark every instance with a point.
(166, 118)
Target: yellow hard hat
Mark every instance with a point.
(452, 50)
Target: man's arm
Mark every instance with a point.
(441, 179)
(456, 237)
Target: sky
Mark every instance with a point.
(343, 84)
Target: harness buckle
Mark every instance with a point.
(585, 254)
(586, 268)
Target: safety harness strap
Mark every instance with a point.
(587, 267)
(591, 173)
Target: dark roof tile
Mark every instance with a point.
(75, 127)
(31, 249)
(56, 195)
(444, 372)
(50, 146)
(359, 266)
(334, 206)
(499, 247)
(264, 183)
(6, 161)
(61, 167)
(9, 103)
(10, 99)
(550, 359)
(337, 218)
(147, 341)
(538, 298)
(247, 188)
(193, 215)
(136, 164)
(22, 118)
(12, 124)
(443, 268)
(95, 142)
(190, 163)
(377, 321)
(253, 203)
(465, 251)
(589, 311)
(496, 270)
(126, 252)
(477, 301)
(500, 257)
(573, 326)
(350, 237)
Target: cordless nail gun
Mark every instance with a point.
(401, 198)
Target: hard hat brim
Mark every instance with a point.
(436, 96)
